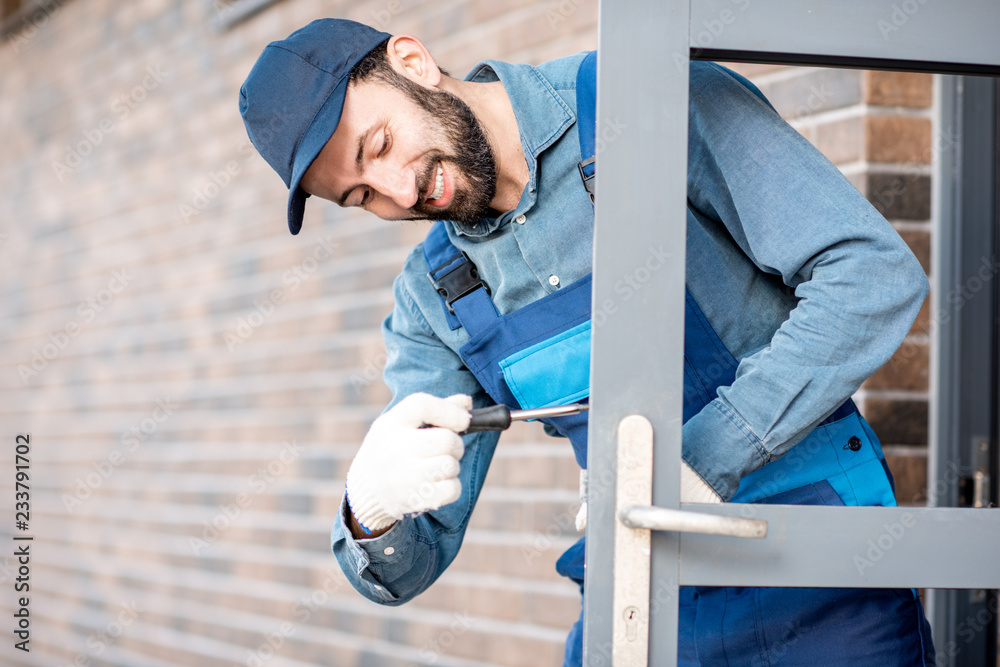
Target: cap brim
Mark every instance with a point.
(320, 130)
(296, 209)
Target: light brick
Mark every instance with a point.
(813, 90)
(908, 89)
(841, 141)
(754, 70)
(898, 139)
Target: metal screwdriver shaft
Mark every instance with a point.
(499, 417)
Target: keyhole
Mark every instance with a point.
(631, 623)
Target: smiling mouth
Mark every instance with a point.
(438, 186)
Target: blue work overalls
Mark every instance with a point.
(539, 356)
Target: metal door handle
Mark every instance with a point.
(637, 517)
(682, 521)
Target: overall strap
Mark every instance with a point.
(586, 118)
(586, 111)
(465, 298)
(453, 274)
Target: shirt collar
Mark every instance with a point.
(542, 117)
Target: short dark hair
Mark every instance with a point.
(376, 65)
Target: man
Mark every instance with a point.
(797, 290)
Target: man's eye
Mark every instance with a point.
(386, 143)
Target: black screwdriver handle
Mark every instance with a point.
(493, 418)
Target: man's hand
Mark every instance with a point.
(404, 467)
(694, 489)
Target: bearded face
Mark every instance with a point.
(404, 151)
(464, 153)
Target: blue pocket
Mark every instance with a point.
(552, 372)
(856, 474)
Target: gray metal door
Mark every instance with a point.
(634, 373)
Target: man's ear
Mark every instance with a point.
(409, 57)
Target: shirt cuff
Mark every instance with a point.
(368, 562)
(721, 448)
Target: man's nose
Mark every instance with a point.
(399, 185)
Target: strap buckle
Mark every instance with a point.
(459, 281)
(588, 180)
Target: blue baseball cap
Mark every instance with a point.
(292, 99)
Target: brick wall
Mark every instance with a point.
(196, 381)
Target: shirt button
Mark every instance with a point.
(520, 219)
(854, 443)
(554, 280)
(388, 551)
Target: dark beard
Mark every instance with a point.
(468, 149)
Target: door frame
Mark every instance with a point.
(653, 40)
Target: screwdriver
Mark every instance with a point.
(499, 417)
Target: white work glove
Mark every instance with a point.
(581, 515)
(402, 468)
(581, 518)
(694, 489)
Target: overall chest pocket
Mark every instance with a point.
(551, 372)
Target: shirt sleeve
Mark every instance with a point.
(398, 565)
(858, 286)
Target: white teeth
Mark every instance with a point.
(438, 184)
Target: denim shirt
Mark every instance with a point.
(805, 283)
